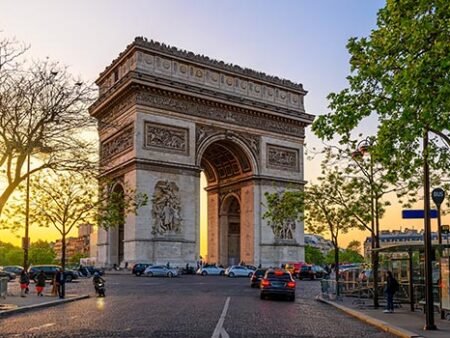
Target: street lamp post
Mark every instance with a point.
(362, 148)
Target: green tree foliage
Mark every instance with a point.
(400, 74)
(41, 252)
(354, 245)
(75, 259)
(314, 255)
(10, 254)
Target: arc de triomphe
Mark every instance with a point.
(165, 115)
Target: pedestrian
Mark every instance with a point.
(168, 265)
(40, 283)
(24, 281)
(392, 287)
(59, 279)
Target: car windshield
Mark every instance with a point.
(280, 276)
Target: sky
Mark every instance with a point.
(300, 40)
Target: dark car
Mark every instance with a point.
(17, 269)
(278, 283)
(5, 274)
(50, 271)
(255, 279)
(319, 271)
(308, 272)
(139, 268)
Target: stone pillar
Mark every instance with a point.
(213, 226)
(247, 225)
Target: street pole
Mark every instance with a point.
(26, 240)
(429, 306)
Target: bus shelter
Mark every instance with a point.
(407, 264)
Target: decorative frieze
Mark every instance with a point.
(166, 138)
(282, 158)
(166, 209)
(119, 143)
(246, 119)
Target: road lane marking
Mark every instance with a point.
(219, 330)
(224, 333)
(41, 326)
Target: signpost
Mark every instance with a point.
(438, 196)
(418, 213)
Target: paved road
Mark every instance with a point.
(189, 306)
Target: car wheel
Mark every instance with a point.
(138, 273)
(231, 274)
(261, 296)
(222, 273)
(69, 278)
(150, 274)
(204, 273)
(292, 298)
(170, 274)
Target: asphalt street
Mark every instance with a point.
(188, 306)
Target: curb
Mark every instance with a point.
(41, 305)
(372, 321)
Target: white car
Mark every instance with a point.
(238, 271)
(211, 270)
(160, 270)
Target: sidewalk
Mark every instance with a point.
(13, 303)
(402, 322)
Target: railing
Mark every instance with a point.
(3, 287)
(364, 290)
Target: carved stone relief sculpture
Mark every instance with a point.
(166, 208)
(121, 142)
(284, 231)
(166, 137)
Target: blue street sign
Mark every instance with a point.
(418, 213)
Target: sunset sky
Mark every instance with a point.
(300, 40)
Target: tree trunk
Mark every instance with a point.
(336, 268)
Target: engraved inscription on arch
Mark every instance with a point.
(282, 158)
(166, 138)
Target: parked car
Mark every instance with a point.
(238, 271)
(211, 270)
(17, 269)
(319, 271)
(294, 268)
(160, 271)
(139, 268)
(278, 283)
(256, 277)
(50, 271)
(5, 274)
(308, 272)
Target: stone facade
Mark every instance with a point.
(165, 116)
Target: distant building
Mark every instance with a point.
(317, 241)
(393, 237)
(75, 245)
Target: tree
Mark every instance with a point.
(43, 109)
(10, 254)
(68, 201)
(313, 255)
(400, 75)
(41, 252)
(75, 259)
(354, 245)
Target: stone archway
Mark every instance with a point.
(229, 167)
(230, 231)
(117, 235)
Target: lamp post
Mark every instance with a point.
(362, 148)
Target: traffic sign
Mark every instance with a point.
(438, 196)
(418, 213)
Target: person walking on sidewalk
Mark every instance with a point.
(40, 283)
(24, 281)
(392, 287)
